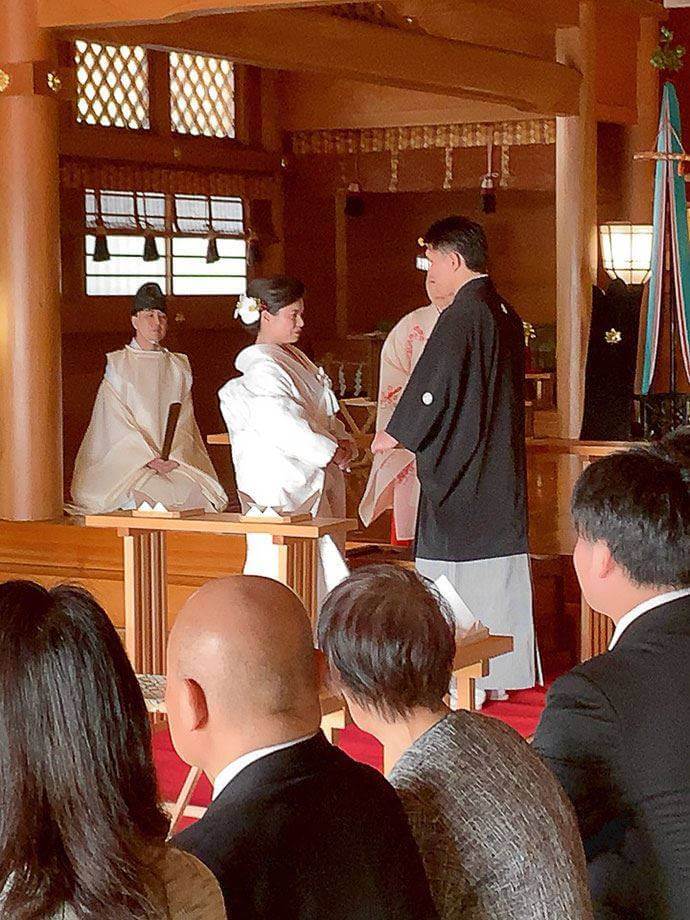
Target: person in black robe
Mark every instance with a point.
(462, 413)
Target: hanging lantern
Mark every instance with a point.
(212, 254)
(626, 251)
(151, 253)
(101, 253)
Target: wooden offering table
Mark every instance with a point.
(144, 539)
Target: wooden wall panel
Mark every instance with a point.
(52, 552)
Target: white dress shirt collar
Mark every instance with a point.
(228, 774)
(644, 607)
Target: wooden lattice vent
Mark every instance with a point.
(202, 95)
(112, 85)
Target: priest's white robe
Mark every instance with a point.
(127, 430)
(281, 418)
(393, 479)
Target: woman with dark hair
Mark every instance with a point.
(81, 832)
(288, 446)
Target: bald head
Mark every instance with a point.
(245, 644)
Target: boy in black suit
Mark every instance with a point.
(616, 729)
(296, 829)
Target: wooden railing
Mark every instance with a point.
(596, 629)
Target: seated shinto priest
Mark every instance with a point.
(120, 463)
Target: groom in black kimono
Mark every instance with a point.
(462, 413)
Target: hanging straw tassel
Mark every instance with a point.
(101, 253)
(212, 254)
(488, 194)
(151, 253)
(448, 177)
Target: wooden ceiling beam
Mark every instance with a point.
(552, 13)
(52, 15)
(647, 8)
(314, 43)
(478, 23)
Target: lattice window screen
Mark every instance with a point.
(183, 243)
(125, 210)
(112, 85)
(202, 95)
(199, 214)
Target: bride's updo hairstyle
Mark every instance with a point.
(271, 294)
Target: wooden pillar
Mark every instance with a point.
(30, 373)
(576, 222)
(639, 176)
(146, 599)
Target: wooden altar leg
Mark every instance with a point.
(146, 612)
(464, 680)
(297, 568)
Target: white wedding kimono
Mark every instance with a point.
(126, 431)
(393, 479)
(281, 418)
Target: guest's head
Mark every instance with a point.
(149, 316)
(389, 641)
(242, 671)
(79, 821)
(457, 251)
(272, 310)
(632, 516)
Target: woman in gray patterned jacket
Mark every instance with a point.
(497, 834)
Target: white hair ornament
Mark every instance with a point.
(248, 309)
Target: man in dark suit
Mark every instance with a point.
(296, 829)
(616, 729)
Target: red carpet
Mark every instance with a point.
(521, 711)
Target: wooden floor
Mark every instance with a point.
(57, 551)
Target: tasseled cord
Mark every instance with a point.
(488, 194)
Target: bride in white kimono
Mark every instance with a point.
(289, 448)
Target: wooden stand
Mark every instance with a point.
(472, 662)
(146, 607)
